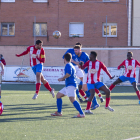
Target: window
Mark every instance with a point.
(7, 0)
(7, 29)
(110, 0)
(75, 0)
(76, 29)
(40, 29)
(111, 30)
(40, 0)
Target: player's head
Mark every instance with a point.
(77, 48)
(67, 58)
(129, 55)
(93, 56)
(1, 56)
(39, 44)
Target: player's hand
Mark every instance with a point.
(17, 55)
(60, 79)
(122, 66)
(112, 77)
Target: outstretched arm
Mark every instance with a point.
(121, 65)
(24, 53)
(84, 66)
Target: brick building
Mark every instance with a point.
(24, 21)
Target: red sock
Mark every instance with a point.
(107, 102)
(47, 86)
(88, 105)
(38, 85)
(98, 93)
(111, 87)
(82, 93)
(138, 94)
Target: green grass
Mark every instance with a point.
(27, 119)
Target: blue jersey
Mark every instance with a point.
(70, 81)
(74, 56)
(84, 57)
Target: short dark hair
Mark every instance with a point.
(94, 53)
(130, 52)
(78, 45)
(68, 56)
(38, 42)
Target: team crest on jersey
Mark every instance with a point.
(92, 71)
(33, 55)
(130, 67)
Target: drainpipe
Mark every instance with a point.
(129, 22)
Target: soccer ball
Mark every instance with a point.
(56, 34)
(1, 108)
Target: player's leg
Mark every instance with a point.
(81, 91)
(94, 103)
(38, 81)
(92, 93)
(136, 90)
(107, 91)
(47, 86)
(59, 96)
(99, 94)
(78, 96)
(71, 92)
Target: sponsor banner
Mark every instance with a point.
(51, 74)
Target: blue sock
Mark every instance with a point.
(94, 101)
(87, 93)
(77, 93)
(59, 104)
(78, 107)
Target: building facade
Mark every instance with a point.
(91, 22)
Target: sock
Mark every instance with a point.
(94, 101)
(78, 107)
(88, 105)
(87, 93)
(77, 93)
(111, 87)
(59, 104)
(82, 93)
(107, 102)
(38, 85)
(47, 86)
(138, 94)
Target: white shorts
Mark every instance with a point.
(79, 72)
(69, 91)
(85, 78)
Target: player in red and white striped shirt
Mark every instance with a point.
(93, 80)
(37, 58)
(130, 73)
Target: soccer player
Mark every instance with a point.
(37, 58)
(93, 80)
(130, 67)
(70, 89)
(2, 68)
(2, 59)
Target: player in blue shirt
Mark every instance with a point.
(69, 89)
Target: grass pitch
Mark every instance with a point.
(27, 119)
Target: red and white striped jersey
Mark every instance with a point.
(33, 53)
(130, 67)
(94, 69)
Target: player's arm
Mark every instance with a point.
(122, 65)
(77, 63)
(42, 57)
(2, 67)
(24, 53)
(106, 70)
(84, 66)
(64, 77)
(137, 63)
(3, 61)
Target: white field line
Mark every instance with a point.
(133, 138)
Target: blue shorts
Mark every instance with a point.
(37, 68)
(96, 85)
(130, 79)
